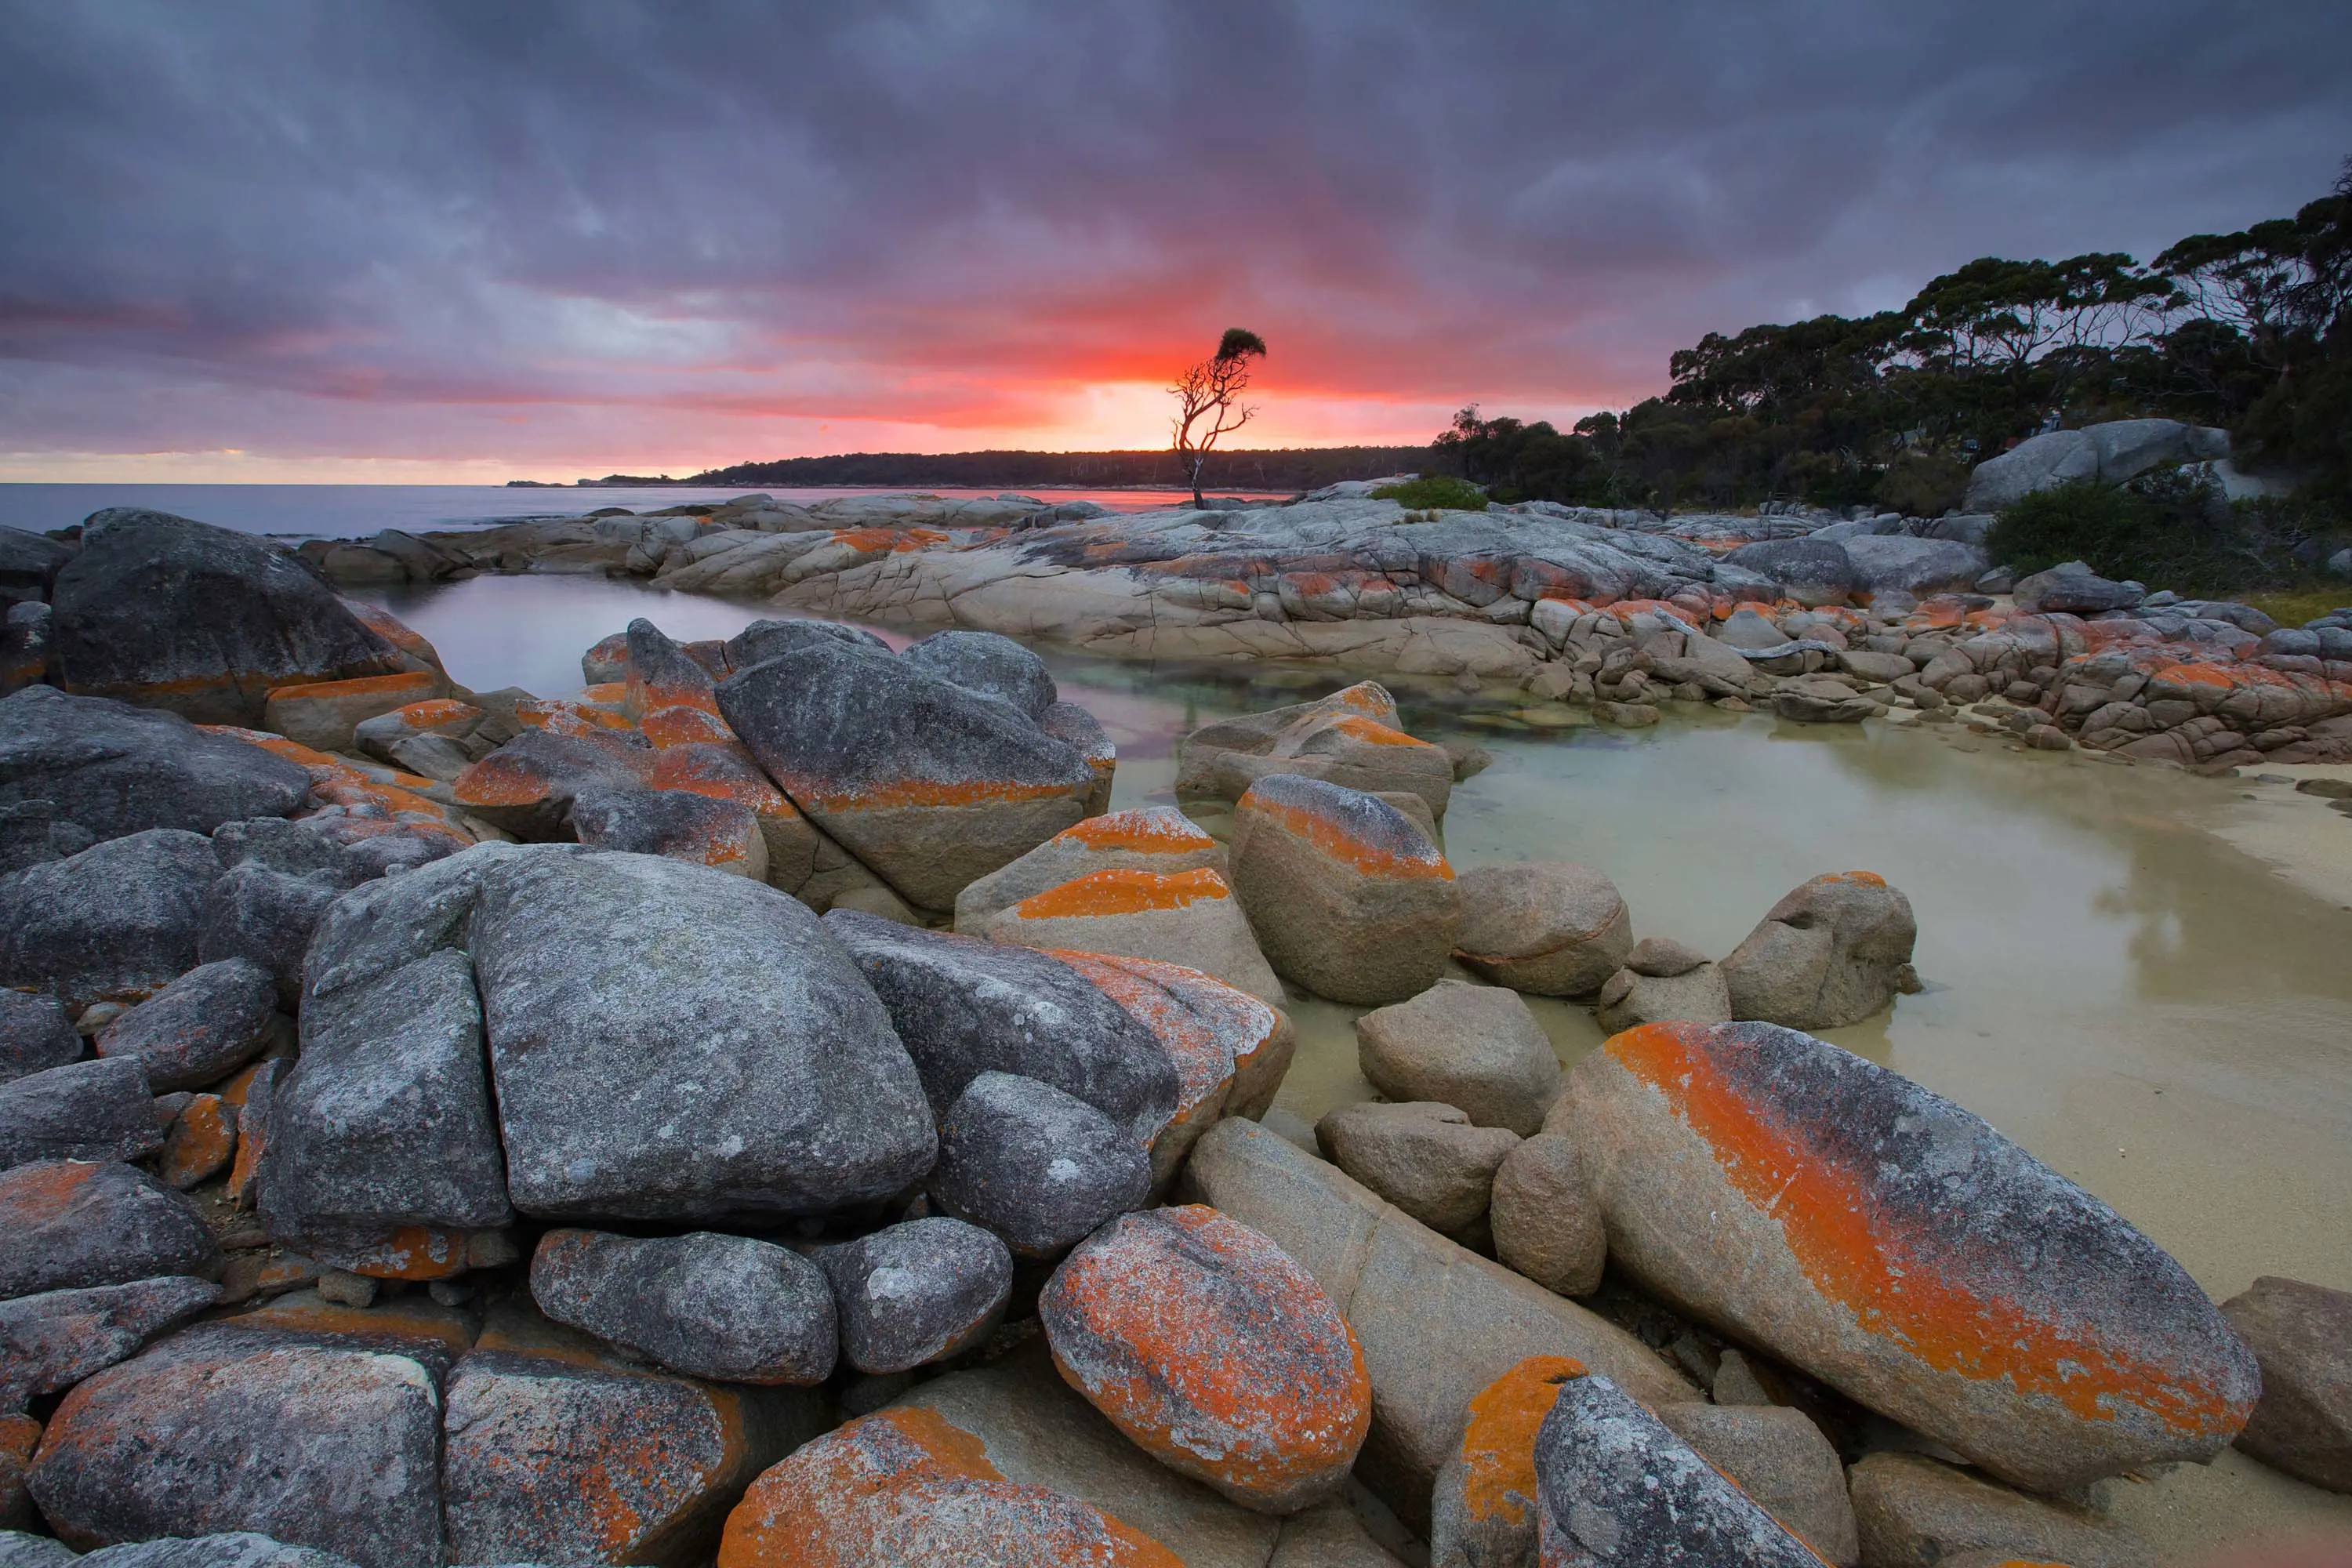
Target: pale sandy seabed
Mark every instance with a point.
(2143, 977)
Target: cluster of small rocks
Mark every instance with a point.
(596, 1145)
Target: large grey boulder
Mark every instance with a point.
(199, 1029)
(258, 916)
(725, 1307)
(1809, 571)
(35, 1033)
(116, 769)
(916, 1292)
(991, 664)
(765, 639)
(1040, 1168)
(2108, 454)
(2073, 588)
(66, 1224)
(83, 1110)
(232, 1549)
(1899, 562)
(29, 564)
(117, 920)
(962, 1007)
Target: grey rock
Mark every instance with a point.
(1833, 952)
(257, 916)
(117, 920)
(1546, 1218)
(1750, 630)
(199, 1029)
(1615, 1484)
(724, 1307)
(991, 664)
(227, 1427)
(66, 1224)
(661, 672)
(763, 640)
(29, 564)
(385, 1119)
(916, 1292)
(1809, 570)
(28, 833)
(1662, 958)
(527, 786)
(236, 1549)
(677, 824)
(1822, 700)
(203, 621)
(83, 1110)
(1475, 1047)
(2073, 588)
(298, 848)
(1780, 1458)
(2301, 1336)
(117, 769)
(1912, 1511)
(1896, 563)
(1964, 527)
(2045, 461)
(963, 1006)
(1426, 1159)
(670, 1042)
(36, 1033)
(52, 1340)
(1698, 994)
(18, 1549)
(1040, 1168)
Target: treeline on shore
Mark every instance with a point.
(1287, 469)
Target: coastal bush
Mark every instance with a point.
(1441, 493)
(2169, 528)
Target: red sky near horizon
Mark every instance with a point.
(447, 242)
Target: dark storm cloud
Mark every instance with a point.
(460, 229)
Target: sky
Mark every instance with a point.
(446, 241)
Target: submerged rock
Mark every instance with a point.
(1833, 952)
(1549, 929)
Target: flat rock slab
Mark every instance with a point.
(50, 1342)
(117, 921)
(723, 1307)
(117, 769)
(223, 1429)
(83, 1110)
(1895, 1247)
(67, 1224)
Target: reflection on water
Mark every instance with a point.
(2145, 1008)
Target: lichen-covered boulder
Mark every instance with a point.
(117, 769)
(527, 785)
(116, 923)
(52, 1340)
(1473, 1047)
(724, 1307)
(1776, 1455)
(66, 1224)
(1038, 1167)
(1615, 1484)
(696, 829)
(772, 638)
(36, 1034)
(1347, 896)
(1833, 952)
(1352, 738)
(916, 1292)
(2301, 1335)
(170, 613)
(200, 1143)
(1190, 918)
(224, 1427)
(904, 1488)
(83, 1110)
(1895, 1247)
(1156, 838)
(964, 1007)
(1547, 928)
(327, 714)
(1482, 1512)
(1215, 1353)
(230, 1549)
(199, 1029)
(1813, 572)
(929, 783)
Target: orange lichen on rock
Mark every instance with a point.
(1214, 1352)
(682, 724)
(613, 694)
(1339, 841)
(503, 778)
(38, 1194)
(409, 1252)
(1881, 1264)
(1860, 879)
(437, 711)
(1371, 731)
(729, 775)
(563, 716)
(904, 1488)
(821, 794)
(1499, 1446)
(409, 682)
(416, 1319)
(1208, 1027)
(1140, 833)
(202, 1142)
(1123, 890)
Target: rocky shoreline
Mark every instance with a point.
(768, 1108)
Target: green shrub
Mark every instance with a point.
(2167, 530)
(1922, 484)
(1441, 493)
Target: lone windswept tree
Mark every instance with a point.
(1208, 400)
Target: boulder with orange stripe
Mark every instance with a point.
(1352, 738)
(1802, 1199)
(1347, 896)
(1191, 918)
(1156, 838)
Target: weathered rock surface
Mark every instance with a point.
(224, 1428)
(964, 1007)
(1913, 1512)
(916, 1292)
(117, 769)
(1546, 1218)
(723, 1307)
(201, 1141)
(1893, 1245)
(199, 1029)
(1214, 1352)
(1352, 738)
(1615, 1484)
(1156, 838)
(83, 1110)
(233, 1548)
(327, 714)
(1426, 1159)
(1191, 918)
(1823, 699)
(988, 664)
(904, 1488)
(1833, 952)
(1347, 897)
(52, 1340)
(2107, 453)
(1038, 1167)
(721, 834)
(1809, 571)
(2073, 588)
(1780, 1458)
(117, 921)
(256, 915)
(929, 784)
(67, 1224)
(1484, 1509)
(36, 1034)
(1551, 929)
(527, 787)
(171, 613)
(1697, 995)
(1437, 1322)
(2301, 1337)
(1473, 1047)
